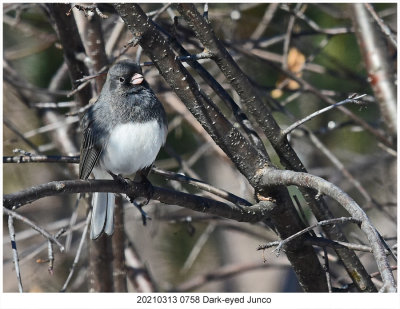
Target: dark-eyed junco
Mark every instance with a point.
(122, 134)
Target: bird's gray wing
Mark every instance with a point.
(90, 151)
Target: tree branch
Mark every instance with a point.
(246, 157)
(15, 252)
(252, 213)
(253, 105)
(278, 177)
(378, 66)
(72, 46)
(78, 252)
(37, 228)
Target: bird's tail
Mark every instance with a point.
(103, 214)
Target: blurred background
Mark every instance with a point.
(182, 250)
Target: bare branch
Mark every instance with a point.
(167, 174)
(196, 249)
(72, 46)
(312, 23)
(384, 28)
(253, 104)
(40, 158)
(137, 271)
(265, 20)
(282, 243)
(326, 267)
(253, 213)
(14, 129)
(78, 252)
(223, 273)
(15, 252)
(201, 185)
(308, 87)
(54, 104)
(118, 247)
(378, 66)
(324, 242)
(319, 112)
(34, 226)
(278, 177)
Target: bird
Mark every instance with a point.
(123, 132)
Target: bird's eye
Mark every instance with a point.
(121, 79)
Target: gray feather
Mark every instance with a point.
(103, 214)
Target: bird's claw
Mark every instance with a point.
(139, 206)
(119, 178)
(149, 192)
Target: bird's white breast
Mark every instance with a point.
(133, 146)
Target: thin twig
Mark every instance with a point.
(301, 211)
(205, 11)
(321, 111)
(90, 77)
(54, 104)
(52, 126)
(88, 10)
(40, 158)
(137, 271)
(77, 89)
(51, 257)
(384, 28)
(114, 37)
(346, 173)
(201, 185)
(286, 41)
(15, 252)
(155, 14)
(36, 251)
(265, 20)
(34, 226)
(169, 175)
(28, 232)
(325, 242)
(196, 249)
(309, 228)
(254, 213)
(72, 221)
(14, 129)
(312, 23)
(199, 56)
(379, 66)
(310, 88)
(286, 177)
(222, 273)
(78, 252)
(326, 268)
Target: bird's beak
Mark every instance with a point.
(137, 79)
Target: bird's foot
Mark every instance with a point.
(149, 189)
(119, 178)
(143, 200)
(139, 206)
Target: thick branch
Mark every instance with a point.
(377, 65)
(253, 213)
(72, 46)
(253, 105)
(278, 177)
(184, 85)
(232, 142)
(251, 102)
